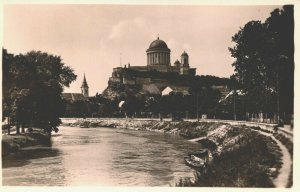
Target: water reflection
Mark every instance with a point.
(24, 156)
(39, 166)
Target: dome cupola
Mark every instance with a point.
(177, 63)
(158, 53)
(158, 44)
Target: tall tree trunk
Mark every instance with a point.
(234, 107)
(18, 128)
(9, 124)
(197, 103)
(23, 129)
(277, 90)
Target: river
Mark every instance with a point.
(101, 157)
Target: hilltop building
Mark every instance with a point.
(153, 75)
(158, 58)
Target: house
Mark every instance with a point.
(176, 89)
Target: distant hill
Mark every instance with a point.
(125, 82)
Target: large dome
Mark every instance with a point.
(158, 53)
(158, 44)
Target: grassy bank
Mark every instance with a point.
(241, 156)
(12, 143)
(244, 159)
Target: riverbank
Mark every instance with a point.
(13, 143)
(241, 156)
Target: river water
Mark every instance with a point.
(101, 157)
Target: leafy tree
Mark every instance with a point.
(7, 82)
(101, 106)
(133, 104)
(281, 25)
(152, 104)
(177, 104)
(78, 108)
(33, 93)
(264, 65)
(208, 101)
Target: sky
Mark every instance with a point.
(93, 39)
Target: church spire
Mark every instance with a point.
(84, 87)
(84, 80)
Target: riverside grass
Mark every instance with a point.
(13, 143)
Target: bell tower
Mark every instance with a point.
(84, 87)
(184, 69)
(185, 59)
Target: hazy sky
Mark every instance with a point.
(90, 38)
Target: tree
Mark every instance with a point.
(6, 85)
(281, 25)
(16, 93)
(264, 65)
(152, 104)
(34, 89)
(133, 104)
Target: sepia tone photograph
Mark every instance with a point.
(148, 95)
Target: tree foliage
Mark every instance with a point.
(33, 85)
(264, 65)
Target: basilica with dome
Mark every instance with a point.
(158, 58)
(154, 77)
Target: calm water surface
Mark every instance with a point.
(101, 157)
